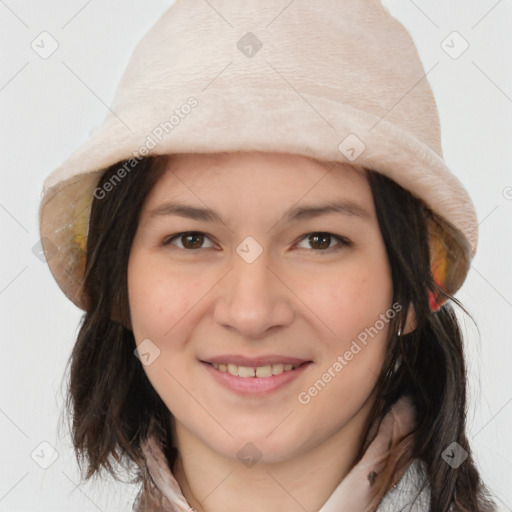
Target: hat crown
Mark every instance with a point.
(348, 51)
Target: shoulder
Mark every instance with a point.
(412, 492)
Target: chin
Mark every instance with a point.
(261, 441)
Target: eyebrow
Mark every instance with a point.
(206, 214)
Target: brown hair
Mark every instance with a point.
(113, 406)
(428, 363)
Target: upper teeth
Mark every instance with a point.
(258, 371)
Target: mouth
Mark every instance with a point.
(257, 376)
(263, 371)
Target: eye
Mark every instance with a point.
(189, 240)
(322, 241)
(319, 240)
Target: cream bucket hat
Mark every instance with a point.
(337, 80)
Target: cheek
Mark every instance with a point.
(160, 301)
(349, 300)
(159, 298)
(354, 302)
(352, 358)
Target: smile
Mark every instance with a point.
(255, 380)
(258, 371)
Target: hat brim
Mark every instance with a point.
(283, 122)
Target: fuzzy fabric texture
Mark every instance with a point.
(336, 80)
(409, 494)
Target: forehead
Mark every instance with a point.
(266, 175)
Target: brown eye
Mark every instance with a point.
(321, 241)
(190, 240)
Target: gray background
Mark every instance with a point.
(48, 108)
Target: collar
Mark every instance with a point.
(354, 492)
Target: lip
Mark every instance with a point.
(253, 362)
(259, 386)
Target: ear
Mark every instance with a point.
(410, 323)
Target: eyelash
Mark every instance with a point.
(343, 242)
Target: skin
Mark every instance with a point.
(296, 299)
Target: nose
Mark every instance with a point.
(252, 298)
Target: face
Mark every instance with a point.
(262, 312)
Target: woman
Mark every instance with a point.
(266, 245)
